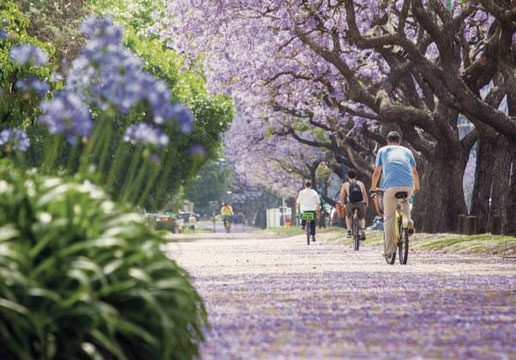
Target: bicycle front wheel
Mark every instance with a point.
(403, 246)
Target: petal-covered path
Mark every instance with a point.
(277, 298)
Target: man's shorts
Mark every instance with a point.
(361, 210)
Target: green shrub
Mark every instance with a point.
(81, 278)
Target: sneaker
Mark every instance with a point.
(349, 234)
(303, 227)
(362, 237)
(313, 238)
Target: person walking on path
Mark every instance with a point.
(397, 165)
(353, 195)
(308, 201)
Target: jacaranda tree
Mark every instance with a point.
(412, 64)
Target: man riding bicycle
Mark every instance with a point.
(354, 195)
(397, 165)
(308, 201)
(227, 212)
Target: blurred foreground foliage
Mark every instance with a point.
(80, 277)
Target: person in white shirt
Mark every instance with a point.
(308, 201)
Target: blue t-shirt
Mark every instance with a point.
(396, 162)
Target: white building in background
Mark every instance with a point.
(276, 218)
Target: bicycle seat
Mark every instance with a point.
(401, 195)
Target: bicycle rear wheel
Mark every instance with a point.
(308, 225)
(356, 234)
(403, 246)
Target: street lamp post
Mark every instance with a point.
(213, 205)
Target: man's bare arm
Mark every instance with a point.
(415, 175)
(364, 194)
(342, 194)
(376, 178)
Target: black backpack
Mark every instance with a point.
(355, 193)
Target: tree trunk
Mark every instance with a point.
(483, 181)
(501, 180)
(511, 206)
(291, 203)
(441, 200)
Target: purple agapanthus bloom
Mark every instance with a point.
(33, 84)
(108, 75)
(184, 117)
(3, 34)
(196, 149)
(67, 113)
(27, 54)
(143, 133)
(16, 138)
(102, 27)
(5, 22)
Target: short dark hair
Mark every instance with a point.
(308, 184)
(352, 173)
(394, 136)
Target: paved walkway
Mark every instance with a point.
(277, 298)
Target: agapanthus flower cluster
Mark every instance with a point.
(67, 113)
(144, 133)
(185, 118)
(16, 139)
(3, 33)
(27, 54)
(109, 75)
(33, 83)
(95, 28)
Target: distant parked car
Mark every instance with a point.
(187, 215)
(166, 222)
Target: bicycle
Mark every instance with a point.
(308, 217)
(227, 224)
(401, 231)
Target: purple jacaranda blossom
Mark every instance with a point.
(27, 54)
(15, 138)
(33, 83)
(67, 113)
(143, 133)
(281, 300)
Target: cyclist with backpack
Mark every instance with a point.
(353, 193)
